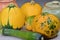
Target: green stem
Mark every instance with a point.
(32, 2)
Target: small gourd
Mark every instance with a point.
(31, 8)
(46, 24)
(12, 17)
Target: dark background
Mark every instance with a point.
(42, 2)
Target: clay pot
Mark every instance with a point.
(4, 3)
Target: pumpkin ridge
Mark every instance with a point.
(32, 2)
(11, 6)
(8, 25)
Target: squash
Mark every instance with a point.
(31, 8)
(46, 24)
(12, 17)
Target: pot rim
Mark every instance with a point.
(45, 4)
(8, 1)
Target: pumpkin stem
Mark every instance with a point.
(32, 2)
(11, 5)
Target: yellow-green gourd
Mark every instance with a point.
(12, 17)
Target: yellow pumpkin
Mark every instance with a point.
(46, 24)
(31, 9)
(12, 17)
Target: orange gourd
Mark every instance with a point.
(46, 24)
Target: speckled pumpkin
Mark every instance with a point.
(46, 24)
(12, 17)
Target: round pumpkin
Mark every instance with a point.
(46, 24)
(31, 8)
(12, 17)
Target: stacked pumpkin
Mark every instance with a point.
(30, 10)
(35, 20)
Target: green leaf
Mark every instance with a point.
(30, 19)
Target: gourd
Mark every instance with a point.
(30, 9)
(12, 17)
(46, 24)
(24, 35)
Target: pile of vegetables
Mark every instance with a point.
(28, 22)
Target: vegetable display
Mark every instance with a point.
(28, 22)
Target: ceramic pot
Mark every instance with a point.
(4, 3)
